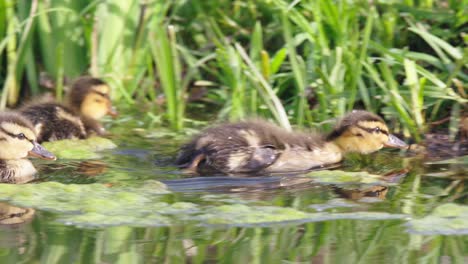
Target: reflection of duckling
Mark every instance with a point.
(11, 215)
(92, 167)
(17, 141)
(379, 192)
(258, 146)
(89, 101)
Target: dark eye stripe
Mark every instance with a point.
(372, 130)
(15, 136)
(105, 95)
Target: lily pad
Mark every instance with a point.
(79, 149)
(447, 219)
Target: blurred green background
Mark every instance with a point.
(297, 62)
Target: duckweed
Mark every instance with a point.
(79, 149)
(239, 214)
(95, 205)
(243, 215)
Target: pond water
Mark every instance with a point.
(130, 205)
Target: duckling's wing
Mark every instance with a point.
(227, 158)
(243, 160)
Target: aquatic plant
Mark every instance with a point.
(303, 62)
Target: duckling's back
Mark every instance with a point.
(53, 121)
(243, 147)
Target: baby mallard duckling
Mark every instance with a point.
(261, 147)
(89, 101)
(17, 141)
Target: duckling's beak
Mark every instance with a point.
(394, 142)
(112, 112)
(40, 152)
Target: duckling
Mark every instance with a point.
(88, 101)
(17, 141)
(257, 146)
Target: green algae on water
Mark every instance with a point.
(84, 203)
(97, 205)
(79, 149)
(338, 176)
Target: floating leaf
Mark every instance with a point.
(85, 203)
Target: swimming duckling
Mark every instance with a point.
(17, 141)
(260, 147)
(89, 101)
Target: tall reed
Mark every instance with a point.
(303, 62)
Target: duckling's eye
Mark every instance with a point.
(377, 130)
(21, 136)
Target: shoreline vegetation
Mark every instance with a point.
(298, 63)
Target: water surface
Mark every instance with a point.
(114, 209)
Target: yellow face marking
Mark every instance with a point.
(95, 106)
(16, 129)
(364, 137)
(103, 89)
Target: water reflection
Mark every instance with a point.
(92, 168)
(371, 192)
(339, 241)
(11, 215)
(17, 238)
(379, 192)
(333, 241)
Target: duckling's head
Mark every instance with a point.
(18, 140)
(363, 132)
(91, 97)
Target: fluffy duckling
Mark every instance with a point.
(12, 215)
(17, 141)
(261, 147)
(89, 101)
